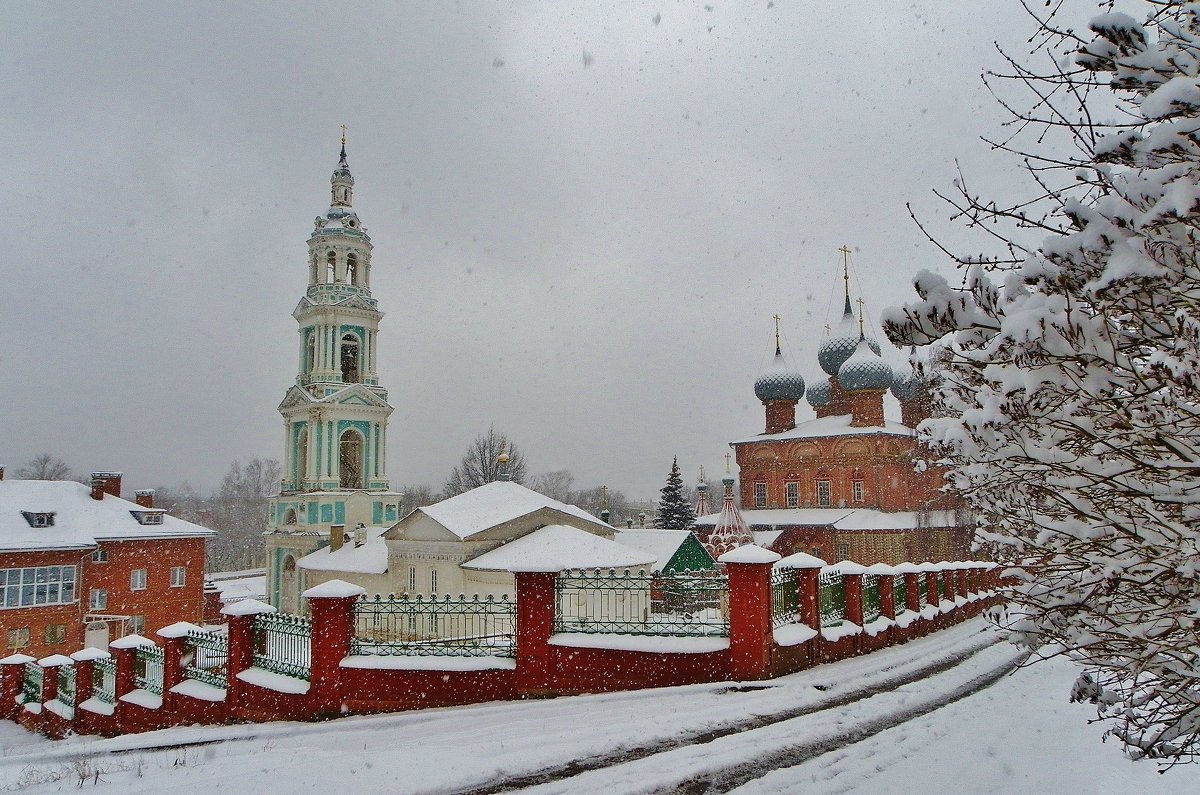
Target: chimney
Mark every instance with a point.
(106, 483)
(212, 604)
(337, 537)
(144, 497)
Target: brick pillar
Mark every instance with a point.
(240, 617)
(931, 587)
(12, 680)
(84, 680)
(961, 574)
(174, 646)
(535, 624)
(809, 586)
(912, 591)
(50, 666)
(331, 605)
(887, 595)
(125, 656)
(750, 637)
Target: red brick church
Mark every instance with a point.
(844, 485)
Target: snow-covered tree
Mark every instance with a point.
(481, 463)
(45, 467)
(238, 511)
(1068, 368)
(674, 510)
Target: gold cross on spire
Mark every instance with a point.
(343, 135)
(776, 334)
(727, 463)
(860, 315)
(604, 498)
(846, 267)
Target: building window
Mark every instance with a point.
(98, 599)
(824, 493)
(137, 624)
(56, 633)
(760, 495)
(18, 638)
(137, 580)
(412, 579)
(148, 517)
(100, 556)
(43, 519)
(843, 551)
(433, 581)
(37, 585)
(858, 490)
(793, 494)
(178, 576)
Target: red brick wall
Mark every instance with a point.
(159, 602)
(38, 618)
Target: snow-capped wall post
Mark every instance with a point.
(240, 657)
(750, 636)
(85, 685)
(50, 666)
(331, 605)
(12, 681)
(962, 574)
(852, 577)
(931, 585)
(535, 623)
(174, 645)
(887, 589)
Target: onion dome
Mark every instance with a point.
(906, 384)
(779, 382)
(865, 370)
(820, 394)
(840, 344)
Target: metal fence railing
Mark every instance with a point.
(871, 603)
(206, 658)
(148, 669)
(283, 644)
(104, 680)
(785, 597)
(426, 626)
(688, 604)
(65, 686)
(922, 589)
(899, 593)
(31, 684)
(831, 595)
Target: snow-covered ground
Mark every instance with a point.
(822, 730)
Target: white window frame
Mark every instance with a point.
(99, 556)
(98, 599)
(433, 582)
(824, 493)
(178, 576)
(760, 494)
(137, 624)
(16, 635)
(36, 586)
(137, 580)
(412, 580)
(792, 493)
(859, 490)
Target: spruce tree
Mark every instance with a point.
(674, 512)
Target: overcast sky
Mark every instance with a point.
(584, 214)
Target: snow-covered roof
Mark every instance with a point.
(334, 589)
(662, 544)
(492, 504)
(846, 519)
(749, 553)
(79, 521)
(370, 558)
(556, 548)
(833, 425)
(233, 590)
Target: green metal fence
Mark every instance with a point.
(831, 595)
(922, 589)
(283, 644)
(941, 585)
(871, 602)
(66, 685)
(104, 680)
(148, 669)
(688, 604)
(206, 657)
(785, 597)
(426, 626)
(899, 593)
(31, 684)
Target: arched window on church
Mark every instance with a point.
(330, 262)
(350, 359)
(351, 269)
(310, 356)
(350, 459)
(289, 517)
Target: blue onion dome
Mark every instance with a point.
(906, 384)
(779, 382)
(837, 347)
(820, 394)
(865, 370)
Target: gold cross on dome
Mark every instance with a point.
(860, 315)
(776, 331)
(702, 473)
(343, 135)
(727, 463)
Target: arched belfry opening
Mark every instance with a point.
(289, 517)
(330, 266)
(310, 355)
(350, 459)
(350, 369)
(301, 462)
(352, 269)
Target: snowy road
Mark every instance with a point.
(909, 717)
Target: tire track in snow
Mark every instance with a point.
(740, 774)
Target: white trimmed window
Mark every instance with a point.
(760, 495)
(137, 624)
(792, 490)
(137, 580)
(18, 638)
(56, 633)
(178, 576)
(858, 490)
(824, 493)
(433, 581)
(37, 585)
(412, 579)
(98, 599)
(100, 556)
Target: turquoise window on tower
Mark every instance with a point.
(326, 513)
(377, 513)
(312, 513)
(391, 513)
(339, 513)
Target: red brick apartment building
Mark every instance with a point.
(81, 566)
